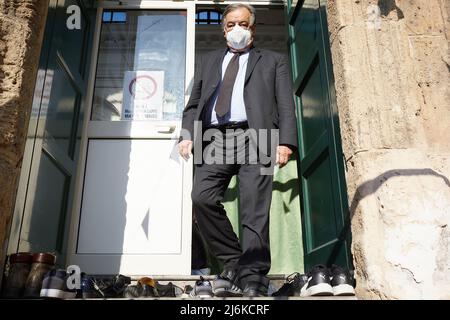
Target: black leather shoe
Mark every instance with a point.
(254, 290)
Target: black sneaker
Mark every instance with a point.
(202, 289)
(292, 286)
(223, 285)
(341, 282)
(118, 285)
(104, 286)
(88, 288)
(318, 283)
(138, 291)
(145, 287)
(168, 290)
(187, 291)
(54, 285)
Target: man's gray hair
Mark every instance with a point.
(235, 6)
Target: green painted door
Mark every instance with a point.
(47, 180)
(325, 218)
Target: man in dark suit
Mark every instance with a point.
(236, 90)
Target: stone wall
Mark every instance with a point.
(391, 65)
(22, 24)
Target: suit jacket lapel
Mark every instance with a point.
(255, 54)
(216, 77)
(220, 58)
(219, 62)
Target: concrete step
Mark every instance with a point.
(276, 281)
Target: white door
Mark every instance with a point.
(134, 210)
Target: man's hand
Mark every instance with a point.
(185, 148)
(283, 154)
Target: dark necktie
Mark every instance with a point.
(223, 103)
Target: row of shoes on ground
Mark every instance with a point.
(148, 287)
(320, 281)
(55, 285)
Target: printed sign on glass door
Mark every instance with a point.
(143, 95)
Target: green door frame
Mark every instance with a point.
(311, 65)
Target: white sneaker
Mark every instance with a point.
(318, 283)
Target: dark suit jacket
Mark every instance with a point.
(268, 93)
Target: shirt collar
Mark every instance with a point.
(241, 52)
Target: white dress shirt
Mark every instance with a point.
(237, 109)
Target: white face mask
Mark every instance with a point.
(238, 38)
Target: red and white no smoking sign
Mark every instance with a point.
(143, 95)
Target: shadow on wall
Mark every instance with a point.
(370, 187)
(386, 6)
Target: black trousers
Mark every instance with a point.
(251, 261)
(199, 259)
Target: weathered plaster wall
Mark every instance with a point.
(391, 65)
(21, 29)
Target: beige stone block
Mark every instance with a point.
(435, 114)
(430, 54)
(400, 205)
(374, 80)
(445, 9)
(422, 17)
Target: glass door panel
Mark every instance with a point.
(141, 66)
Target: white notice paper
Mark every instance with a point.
(143, 93)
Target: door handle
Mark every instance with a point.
(166, 129)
